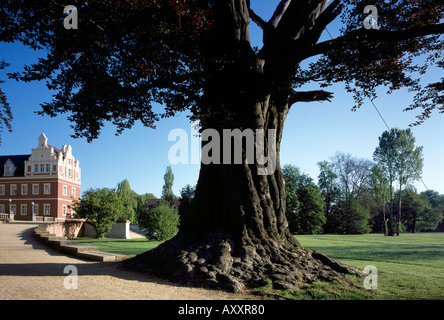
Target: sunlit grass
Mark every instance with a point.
(129, 247)
(410, 266)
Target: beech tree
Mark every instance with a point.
(196, 56)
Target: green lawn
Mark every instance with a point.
(410, 266)
(129, 247)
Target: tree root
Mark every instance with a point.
(220, 263)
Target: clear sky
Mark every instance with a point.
(313, 131)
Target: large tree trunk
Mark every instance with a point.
(234, 234)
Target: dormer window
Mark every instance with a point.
(9, 169)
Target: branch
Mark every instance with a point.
(321, 22)
(375, 36)
(309, 96)
(256, 19)
(279, 12)
(292, 22)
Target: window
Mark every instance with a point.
(35, 209)
(65, 190)
(36, 168)
(2, 189)
(13, 189)
(13, 208)
(46, 209)
(64, 209)
(35, 189)
(23, 209)
(24, 189)
(69, 172)
(9, 169)
(2, 208)
(42, 167)
(46, 188)
(48, 167)
(73, 192)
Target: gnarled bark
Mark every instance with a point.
(234, 233)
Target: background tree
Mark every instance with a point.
(417, 213)
(385, 155)
(328, 185)
(380, 190)
(409, 163)
(129, 199)
(160, 223)
(311, 212)
(304, 202)
(401, 161)
(187, 192)
(436, 200)
(349, 217)
(196, 56)
(142, 204)
(353, 174)
(102, 208)
(167, 188)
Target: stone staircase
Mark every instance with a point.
(73, 247)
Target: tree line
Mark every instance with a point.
(103, 207)
(356, 195)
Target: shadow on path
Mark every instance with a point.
(56, 268)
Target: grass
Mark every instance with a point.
(129, 247)
(410, 266)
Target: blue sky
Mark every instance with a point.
(313, 131)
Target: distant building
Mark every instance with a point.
(39, 186)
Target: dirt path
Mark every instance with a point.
(31, 270)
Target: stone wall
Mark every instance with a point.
(120, 230)
(71, 229)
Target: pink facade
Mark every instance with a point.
(40, 185)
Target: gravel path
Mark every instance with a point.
(31, 270)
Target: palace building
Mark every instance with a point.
(39, 186)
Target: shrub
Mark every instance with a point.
(160, 223)
(101, 208)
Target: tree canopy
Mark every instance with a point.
(127, 55)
